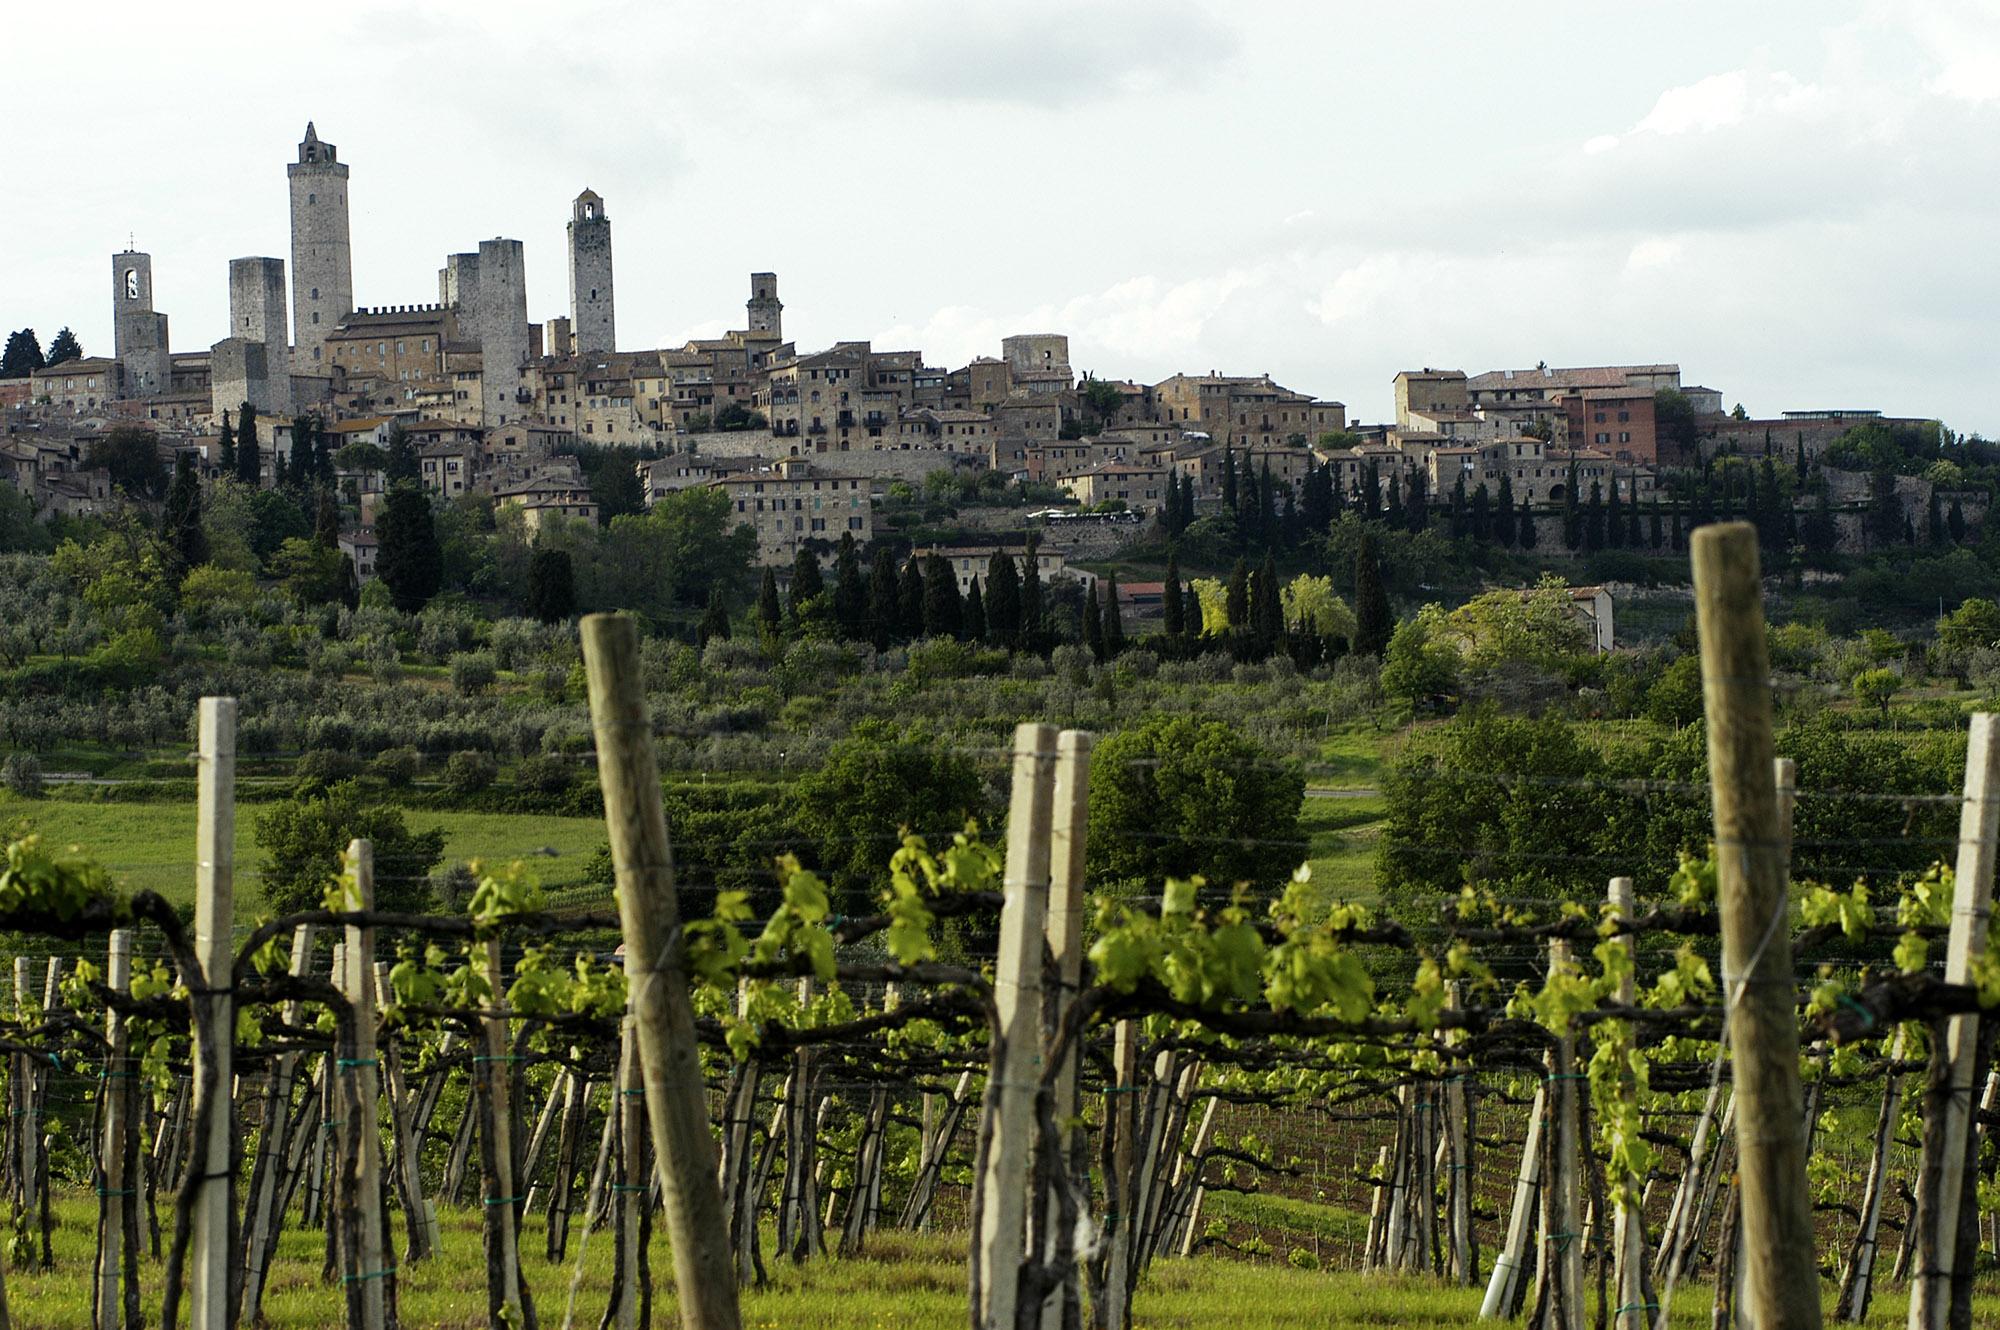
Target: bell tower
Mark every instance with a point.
(592, 321)
(322, 261)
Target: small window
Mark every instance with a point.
(312, 198)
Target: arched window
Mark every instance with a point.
(131, 283)
(312, 198)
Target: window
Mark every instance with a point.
(312, 198)
(1624, 416)
(315, 293)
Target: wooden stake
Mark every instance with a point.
(369, 1276)
(114, 1185)
(1017, 995)
(213, 1251)
(1069, 825)
(1949, 1109)
(1781, 1282)
(493, 1082)
(1562, 1232)
(1503, 1290)
(655, 972)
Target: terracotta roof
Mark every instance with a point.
(1581, 376)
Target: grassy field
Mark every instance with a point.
(902, 1281)
(1343, 813)
(152, 845)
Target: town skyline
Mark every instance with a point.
(1263, 274)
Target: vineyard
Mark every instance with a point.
(1003, 1099)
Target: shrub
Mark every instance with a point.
(304, 838)
(396, 766)
(22, 773)
(318, 768)
(469, 772)
(543, 773)
(453, 887)
(473, 672)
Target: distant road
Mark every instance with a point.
(1313, 792)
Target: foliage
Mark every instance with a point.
(303, 840)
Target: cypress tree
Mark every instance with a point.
(1170, 515)
(942, 610)
(1799, 462)
(1524, 527)
(1459, 523)
(322, 454)
(552, 587)
(1374, 621)
(850, 590)
(806, 580)
(1934, 520)
(1031, 594)
(884, 605)
(1174, 620)
(409, 559)
(326, 519)
(1954, 523)
(402, 459)
(1572, 515)
(181, 523)
(1090, 626)
(974, 617)
(1267, 621)
(1114, 619)
(1191, 618)
(1187, 502)
(1267, 510)
(1632, 540)
(1003, 599)
(1481, 519)
(1416, 501)
(770, 615)
(910, 600)
(227, 461)
(1316, 498)
(1614, 519)
(1237, 603)
(1290, 527)
(248, 464)
(1229, 479)
(1504, 515)
(1392, 511)
(299, 468)
(1371, 493)
(714, 620)
(1593, 519)
(1657, 534)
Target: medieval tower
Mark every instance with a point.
(766, 312)
(139, 332)
(322, 262)
(257, 314)
(592, 322)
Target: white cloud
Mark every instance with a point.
(1653, 252)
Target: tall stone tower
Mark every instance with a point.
(591, 319)
(322, 261)
(138, 331)
(766, 311)
(257, 314)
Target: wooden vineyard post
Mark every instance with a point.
(264, 1208)
(505, 1295)
(628, 1110)
(1780, 1266)
(26, 1123)
(1121, 1127)
(369, 1276)
(656, 976)
(1504, 1288)
(1858, 1281)
(1017, 995)
(1949, 1101)
(1464, 1264)
(1069, 823)
(1562, 1202)
(117, 1299)
(407, 1177)
(1628, 1225)
(214, 1014)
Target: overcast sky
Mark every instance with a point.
(1798, 202)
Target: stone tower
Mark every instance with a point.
(139, 332)
(322, 261)
(766, 311)
(591, 319)
(257, 314)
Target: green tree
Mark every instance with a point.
(249, 463)
(1177, 796)
(1174, 619)
(714, 625)
(850, 590)
(1884, 520)
(1374, 621)
(1103, 399)
(1090, 624)
(408, 558)
(227, 448)
(401, 461)
(551, 586)
(942, 610)
(770, 613)
(303, 840)
(884, 603)
(1675, 423)
(1505, 518)
(1114, 619)
(1267, 621)
(910, 600)
(326, 518)
(974, 617)
(309, 572)
(180, 525)
(1031, 595)
(878, 780)
(615, 487)
(131, 454)
(1421, 664)
(1877, 687)
(64, 348)
(23, 355)
(1525, 527)
(807, 584)
(1954, 522)
(1237, 606)
(1003, 599)
(1674, 699)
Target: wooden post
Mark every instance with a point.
(1063, 927)
(368, 1276)
(214, 1013)
(1858, 1281)
(1189, 1231)
(629, 1113)
(408, 1177)
(1940, 1184)
(1503, 1290)
(1628, 1223)
(1562, 1233)
(1464, 1265)
(505, 1295)
(264, 1210)
(114, 1180)
(27, 1134)
(1121, 1126)
(1781, 1283)
(655, 972)
(1017, 995)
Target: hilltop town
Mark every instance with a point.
(805, 443)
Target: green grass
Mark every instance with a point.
(152, 845)
(903, 1281)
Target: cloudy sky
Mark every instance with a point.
(1798, 202)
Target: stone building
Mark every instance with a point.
(796, 504)
(592, 323)
(139, 332)
(400, 347)
(257, 314)
(1239, 409)
(1428, 390)
(766, 313)
(1138, 486)
(239, 372)
(322, 258)
(488, 292)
